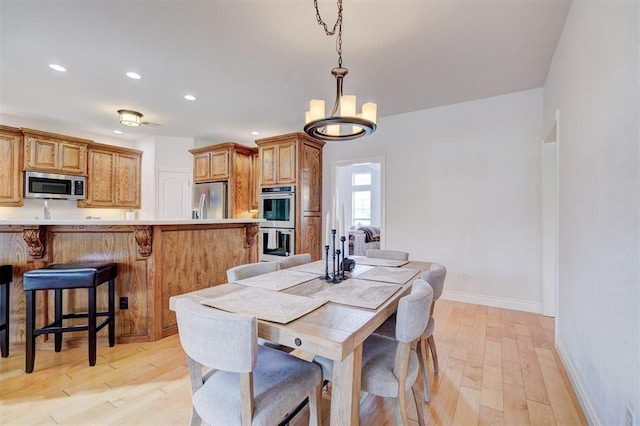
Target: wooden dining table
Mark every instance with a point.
(333, 331)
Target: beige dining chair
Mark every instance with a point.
(249, 270)
(242, 383)
(387, 254)
(435, 277)
(390, 366)
(293, 260)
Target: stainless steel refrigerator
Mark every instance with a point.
(210, 200)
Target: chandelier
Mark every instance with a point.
(344, 123)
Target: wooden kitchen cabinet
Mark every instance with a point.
(296, 159)
(10, 167)
(211, 165)
(52, 153)
(114, 177)
(254, 179)
(230, 162)
(278, 162)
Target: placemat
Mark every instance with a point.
(266, 304)
(374, 261)
(358, 293)
(278, 280)
(389, 275)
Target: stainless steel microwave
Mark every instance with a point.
(51, 185)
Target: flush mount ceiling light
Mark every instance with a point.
(130, 118)
(344, 123)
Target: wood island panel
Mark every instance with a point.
(170, 260)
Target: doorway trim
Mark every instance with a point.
(550, 200)
(383, 183)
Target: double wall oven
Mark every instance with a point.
(277, 232)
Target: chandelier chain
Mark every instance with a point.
(337, 25)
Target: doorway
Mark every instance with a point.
(359, 187)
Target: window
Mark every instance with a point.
(359, 179)
(360, 198)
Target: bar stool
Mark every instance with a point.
(6, 275)
(60, 277)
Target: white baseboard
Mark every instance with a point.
(496, 302)
(585, 402)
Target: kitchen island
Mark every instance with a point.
(156, 260)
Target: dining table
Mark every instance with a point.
(341, 315)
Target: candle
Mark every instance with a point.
(342, 232)
(333, 212)
(328, 231)
(338, 229)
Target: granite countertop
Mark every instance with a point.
(89, 222)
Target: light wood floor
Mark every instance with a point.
(497, 367)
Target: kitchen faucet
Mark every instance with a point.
(47, 214)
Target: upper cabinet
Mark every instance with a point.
(49, 152)
(211, 164)
(10, 167)
(277, 160)
(114, 177)
(230, 162)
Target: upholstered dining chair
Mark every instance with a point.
(387, 254)
(249, 270)
(390, 366)
(435, 277)
(242, 382)
(294, 260)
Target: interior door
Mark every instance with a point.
(174, 194)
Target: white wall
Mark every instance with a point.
(593, 81)
(463, 189)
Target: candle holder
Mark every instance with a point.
(326, 277)
(335, 278)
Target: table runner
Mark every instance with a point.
(266, 304)
(318, 266)
(374, 261)
(358, 293)
(278, 280)
(389, 275)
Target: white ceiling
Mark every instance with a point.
(254, 65)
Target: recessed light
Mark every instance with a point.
(190, 97)
(117, 132)
(254, 133)
(57, 67)
(134, 75)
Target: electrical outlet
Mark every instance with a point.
(631, 418)
(124, 303)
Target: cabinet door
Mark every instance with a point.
(267, 156)
(201, 167)
(100, 185)
(72, 158)
(42, 154)
(219, 165)
(127, 180)
(287, 162)
(10, 170)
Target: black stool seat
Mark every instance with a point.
(6, 275)
(65, 276)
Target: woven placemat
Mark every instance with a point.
(266, 304)
(278, 280)
(358, 293)
(389, 275)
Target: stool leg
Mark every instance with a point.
(4, 315)
(112, 313)
(58, 318)
(30, 298)
(92, 326)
